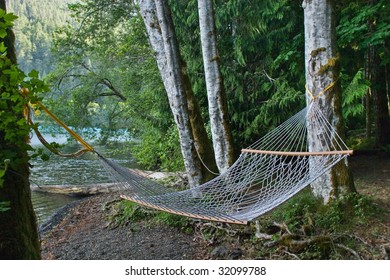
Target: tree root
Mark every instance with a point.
(293, 244)
(385, 251)
(353, 252)
(297, 243)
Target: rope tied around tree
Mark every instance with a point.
(311, 95)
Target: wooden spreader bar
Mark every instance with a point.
(184, 213)
(281, 153)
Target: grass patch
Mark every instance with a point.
(123, 213)
(305, 211)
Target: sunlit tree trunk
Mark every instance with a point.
(18, 227)
(193, 139)
(220, 129)
(321, 63)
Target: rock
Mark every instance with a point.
(236, 253)
(220, 252)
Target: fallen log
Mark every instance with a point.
(98, 188)
(78, 190)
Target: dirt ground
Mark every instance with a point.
(84, 234)
(83, 231)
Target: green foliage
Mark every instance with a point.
(297, 210)
(305, 210)
(364, 24)
(13, 126)
(107, 78)
(261, 54)
(160, 150)
(353, 94)
(126, 212)
(33, 31)
(4, 206)
(361, 143)
(3, 170)
(363, 27)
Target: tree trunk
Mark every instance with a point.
(162, 37)
(220, 129)
(377, 76)
(18, 227)
(381, 108)
(321, 65)
(367, 98)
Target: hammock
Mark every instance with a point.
(266, 174)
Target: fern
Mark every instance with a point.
(353, 94)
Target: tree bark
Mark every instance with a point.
(162, 37)
(377, 76)
(18, 227)
(217, 100)
(322, 69)
(381, 107)
(367, 98)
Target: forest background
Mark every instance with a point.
(104, 79)
(103, 75)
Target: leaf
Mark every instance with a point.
(2, 173)
(3, 33)
(4, 205)
(33, 74)
(3, 48)
(10, 17)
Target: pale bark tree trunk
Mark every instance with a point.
(162, 37)
(217, 101)
(18, 227)
(321, 63)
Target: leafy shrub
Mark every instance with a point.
(158, 150)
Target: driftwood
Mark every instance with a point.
(98, 188)
(78, 190)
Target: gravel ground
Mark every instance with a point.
(81, 232)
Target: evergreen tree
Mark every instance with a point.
(38, 19)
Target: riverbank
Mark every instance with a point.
(85, 231)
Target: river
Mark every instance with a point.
(66, 171)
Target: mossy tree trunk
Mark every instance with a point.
(192, 134)
(322, 69)
(217, 100)
(18, 227)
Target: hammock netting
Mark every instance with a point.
(266, 174)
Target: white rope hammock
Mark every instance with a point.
(266, 174)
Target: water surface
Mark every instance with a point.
(66, 171)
